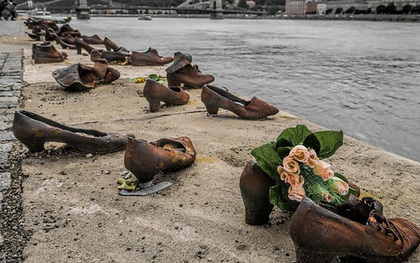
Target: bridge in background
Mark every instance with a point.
(213, 8)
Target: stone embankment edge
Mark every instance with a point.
(10, 91)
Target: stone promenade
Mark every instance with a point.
(10, 89)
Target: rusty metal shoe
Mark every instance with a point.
(180, 61)
(46, 53)
(92, 40)
(34, 131)
(110, 45)
(80, 44)
(116, 56)
(215, 98)
(254, 184)
(145, 159)
(149, 58)
(320, 235)
(154, 92)
(63, 43)
(190, 76)
(66, 29)
(81, 77)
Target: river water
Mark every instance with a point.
(356, 76)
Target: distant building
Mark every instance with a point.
(295, 7)
(251, 4)
(326, 7)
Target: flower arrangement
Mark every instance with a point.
(295, 162)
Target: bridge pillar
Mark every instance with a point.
(82, 9)
(217, 9)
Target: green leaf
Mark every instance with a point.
(282, 142)
(312, 142)
(283, 152)
(342, 177)
(329, 141)
(277, 199)
(294, 136)
(267, 158)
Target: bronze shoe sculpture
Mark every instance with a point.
(150, 57)
(215, 98)
(154, 92)
(180, 61)
(254, 184)
(79, 43)
(66, 29)
(62, 41)
(146, 159)
(81, 77)
(46, 53)
(111, 46)
(34, 131)
(116, 56)
(320, 235)
(190, 76)
(92, 40)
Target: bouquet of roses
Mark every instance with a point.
(294, 161)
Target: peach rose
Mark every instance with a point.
(290, 165)
(341, 187)
(313, 159)
(296, 194)
(296, 181)
(299, 153)
(323, 169)
(327, 196)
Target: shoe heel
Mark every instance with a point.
(212, 109)
(307, 256)
(34, 145)
(79, 49)
(154, 105)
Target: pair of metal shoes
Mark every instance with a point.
(67, 42)
(215, 98)
(45, 52)
(119, 54)
(80, 77)
(144, 159)
(183, 72)
(149, 57)
(355, 232)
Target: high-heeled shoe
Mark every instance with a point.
(111, 46)
(320, 235)
(154, 92)
(180, 61)
(79, 43)
(145, 159)
(64, 44)
(34, 131)
(254, 184)
(190, 76)
(150, 57)
(215, 98)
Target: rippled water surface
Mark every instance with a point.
(359, 77)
